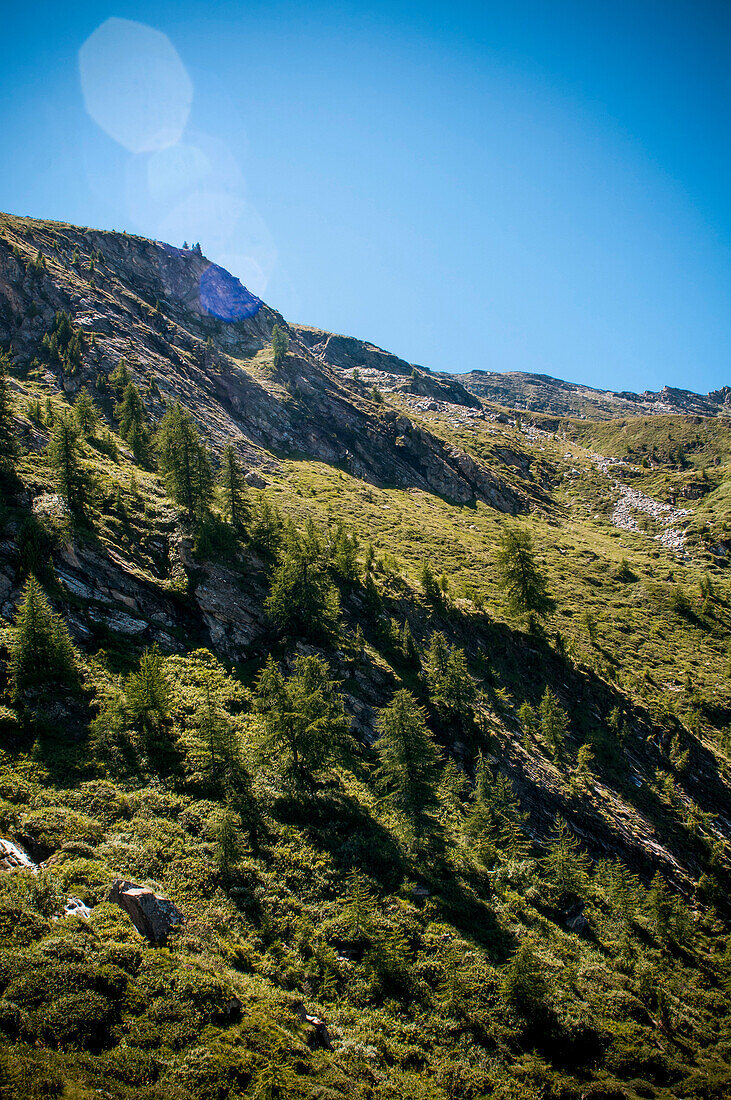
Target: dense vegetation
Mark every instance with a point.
(445, 800)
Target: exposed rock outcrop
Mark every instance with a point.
(152, 915)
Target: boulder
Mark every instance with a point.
(12, 856)
(318, 1035)
(152, 915)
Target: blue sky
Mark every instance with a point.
(538, 186)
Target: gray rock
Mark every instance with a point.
(318, 1035)
(152, 915)
(12, 856)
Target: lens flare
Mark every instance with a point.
(223, 296)
(135, 86)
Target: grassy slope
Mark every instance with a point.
(416, 992)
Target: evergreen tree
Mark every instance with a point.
(41, 649)
(524, 584)
(304, 726)
(234, 490)
(65, 455)
(303, 599)
(565, 867)
(496, 822)
(228, 841)
(7, 422)
(554, 722)
(85, 412)
(453, 790)
(265, 530)
(120, 377)
(430, 585)
(280, 344)
(452, 690)
(131, 415)
(408, 645)
(184, 462)
(525, 985)
(408, 759)
(148, 694)
(344, 555)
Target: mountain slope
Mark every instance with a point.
(549, 917)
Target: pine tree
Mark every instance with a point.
(408, 759)
(565, 867)
(85, 412)
(234, 490)
(131, 415)
(524, 584)
(303, 599)
(7, 422)
(147, 692)
(408, 645)
(280, 344)
(525, 985)
(304, 726)
(130, 410)
(65, 455)
(41, 649)
(228, 841)
(430, 585)
(554, 722)
(120, 377)
(344, 555)
(184, 462)
(266, 528)
(452, 690)
(496, 822)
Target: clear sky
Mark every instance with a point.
(538, 185)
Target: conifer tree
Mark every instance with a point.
(7, 422)
(303, 599)
(496, 822)
(304, 726)
(280, 344)
(85, 412)
(430, 585)
(565, 867)
(234, 490)
(525, 983)
(408, 759)
(131, 415)
(524, 584)
(41, 649)
(147, 692)
(227, 837)
(554, 722)
(344, 555)
(408, 645)
(451, 688)
(65, 455)
(184, 462)
(120, 377)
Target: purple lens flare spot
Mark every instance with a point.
(223, 296)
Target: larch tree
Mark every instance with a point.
(64, 452)
(235, 496)
(408, 759)
(41, 649)
(304, 728)
(524, 583)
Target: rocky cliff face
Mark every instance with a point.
(192, 333)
